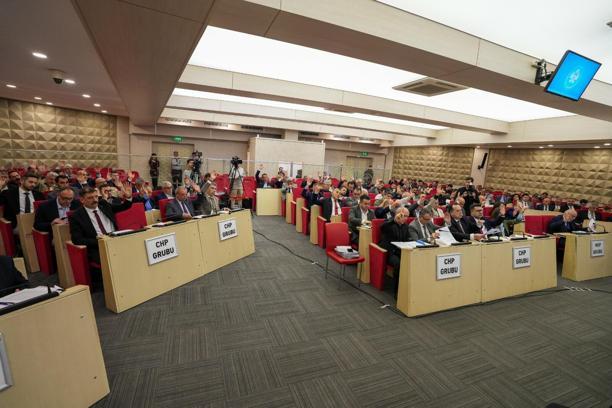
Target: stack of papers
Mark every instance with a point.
(446, 238)
(26, 294)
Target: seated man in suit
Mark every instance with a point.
(181, 208)
(360, 215)
(423, 228)
(165, 194)
(588, 213)
(546, 205)
(332, 205)
(55, 211)
(394, 230)
(94, 219)
(20, 200)
(10, 278)
(459, 226)
(314, 196)
(564, 222)
(475, 221)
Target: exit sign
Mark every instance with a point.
(177, 139)
(363, 154)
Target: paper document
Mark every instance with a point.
(407, 244)
(27, 294)
(446, 237)
(494, 231)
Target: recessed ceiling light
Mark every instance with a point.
(70, 81)
(39, 55)
(550, 145)
(541, 147)
(509, 145)
(478, 147)
(597, 147)
(104, 111)
(86, 96)
(49, 103)
(606, 144)
(97, 105)
(11, 86)
(38, 98)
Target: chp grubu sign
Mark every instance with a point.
(448, 266)
(161, 248)
(597, 247)
(228, 229)
(521, 257)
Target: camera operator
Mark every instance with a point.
(176, 166)
(236, 175)
(196, 156)
(469, 194)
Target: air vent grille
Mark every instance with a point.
(429, 87)
(260, 129)
(217, 124)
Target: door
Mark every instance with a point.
(355, 167)
(165, 153)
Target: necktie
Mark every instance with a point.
(99, 220)
(337, 207)
(27, 202)
(461, 226)
(425, 232)
(185, 210)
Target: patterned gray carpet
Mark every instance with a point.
(270, 331)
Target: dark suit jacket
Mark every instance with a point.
(327, 208)
(82, 231)
(260, 182)
(174, 211)
(355, 218)
(10, 199)
(391, 231)
(47, 212)
(457, 231)
(313, 198)
(549, 207)
(558, 225)
(414, 230)
(584, 215)
(161, 196)
(10, 278)
(472, 225)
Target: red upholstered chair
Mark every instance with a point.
(378, 256)
(486, 211)
(42, 243)
(298, 181)
(372, 196)
(410, 219)
(222, 182)
(37, 204)
(337, 234)
(345, 214)
(132, 218)
(249, 188)
(297, 193)
(293, 211)
(283, 207)
(321, 231)
(162, 208)
(545, 221)
(439, 221)
(79, 263)
(533, 224)
(335, 182)
(326, 194)
(305, 220)
(6, 231)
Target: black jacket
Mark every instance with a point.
(458, 233)
(47, 212)
(558, 225)
(10, 278)
(549, 207)
(10, 199)
(327, 208)
(391, 231)
(82, 230)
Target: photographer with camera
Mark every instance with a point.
(176, 169)
(236, 175)
(196, 156)
(469, 194)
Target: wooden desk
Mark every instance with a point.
(299, 203)
(419, 290)
(579, 265)
(605, 224)
(530, 211)
(288, 200)
(335, 218)
(61, 234)
(365, 238)
(153, 216)
(20, 265)
(25, 223)
(268, 201)
(315, 212)
(217, 253)
(500, 279)
(54, 353)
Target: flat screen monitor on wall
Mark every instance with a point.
(572, 76)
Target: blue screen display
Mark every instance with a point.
(572, 76)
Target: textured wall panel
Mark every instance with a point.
(30, 131)
(446, 164)
(569, 173)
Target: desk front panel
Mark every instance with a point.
(579, 265)
(61, 234)
(268, 201)
(315, 212)
(54, 353)
(288, 200)
(421, 293)
(129, 279)
(365, 238)
(217, 253)
(299, 203)
(25, 223)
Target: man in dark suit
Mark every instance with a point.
(459, 227)
(423, 227)
(264, 180)
(314, 196)
(475, 221)
(360, 215)
(94, 219)
(332, 205)
(468, 193)
(181, 208)
(546, 205)
(395, 230)
(564, 222)
(20, 200)
(55, 211)
(165, 194)
(10, 278)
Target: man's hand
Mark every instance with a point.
(447, 218)
(261, 166)
(478, 237)
(126, 190)
(436, 235)
(196, 188)
(58, 221)
(213, 175)
(186, 216)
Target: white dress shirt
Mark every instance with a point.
(364, 216)
(108, 224)
(22, 200)
(62, 211)
(336, 207)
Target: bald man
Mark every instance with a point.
(564, 222)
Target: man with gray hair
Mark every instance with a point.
(423, 227)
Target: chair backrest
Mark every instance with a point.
(297, 193)
(222, 181)
(376, 224)
(298, 181)
(79, 263)
(336, 233)
(533, 224)
(8, 239)
(335, 182)
(545, 221)
(439, 221)
(132, 218)
(37, 204)
(42, 243)
(162, 208)
(486, 211)
(345, 214)
(372, 197)
(410, 219)
(321, 231)
(326, 194)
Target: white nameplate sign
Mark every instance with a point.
(448, 266)
(597, 247)
(161, 248)
(521, 257)
(228, 229)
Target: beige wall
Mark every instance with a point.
(578, 173)
(48, 134)
(446, 164)
(272, 152)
